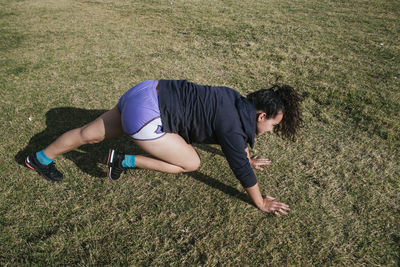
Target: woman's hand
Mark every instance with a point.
(270, 205)
(266, 203)
(256, 163)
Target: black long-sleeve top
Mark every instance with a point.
(211, 115)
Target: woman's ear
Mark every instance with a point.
(261, 115)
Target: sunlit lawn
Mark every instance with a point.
(63, 63)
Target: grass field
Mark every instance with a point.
(64, 62)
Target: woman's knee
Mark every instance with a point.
(88, 136)
(192, 165)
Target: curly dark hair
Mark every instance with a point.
(280, 98)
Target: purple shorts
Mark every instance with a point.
(140, 113)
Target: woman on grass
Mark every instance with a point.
(164, 117)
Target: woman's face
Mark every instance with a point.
(265, 125)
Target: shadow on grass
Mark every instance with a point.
(209, 149)
(86, 157)
(229, 190)
(92, 158)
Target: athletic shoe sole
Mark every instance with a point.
(110, 161)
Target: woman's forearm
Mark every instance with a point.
(255, 195)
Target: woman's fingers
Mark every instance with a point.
(258, 163)
(283, 212)
(262, 161)
(279, 212)
(282, 206)
(277, 208)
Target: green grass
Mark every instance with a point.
(62, 63)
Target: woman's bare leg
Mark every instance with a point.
(106, 126)
(172, 155)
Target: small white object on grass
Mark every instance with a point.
(30, 118)
(382, 44)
